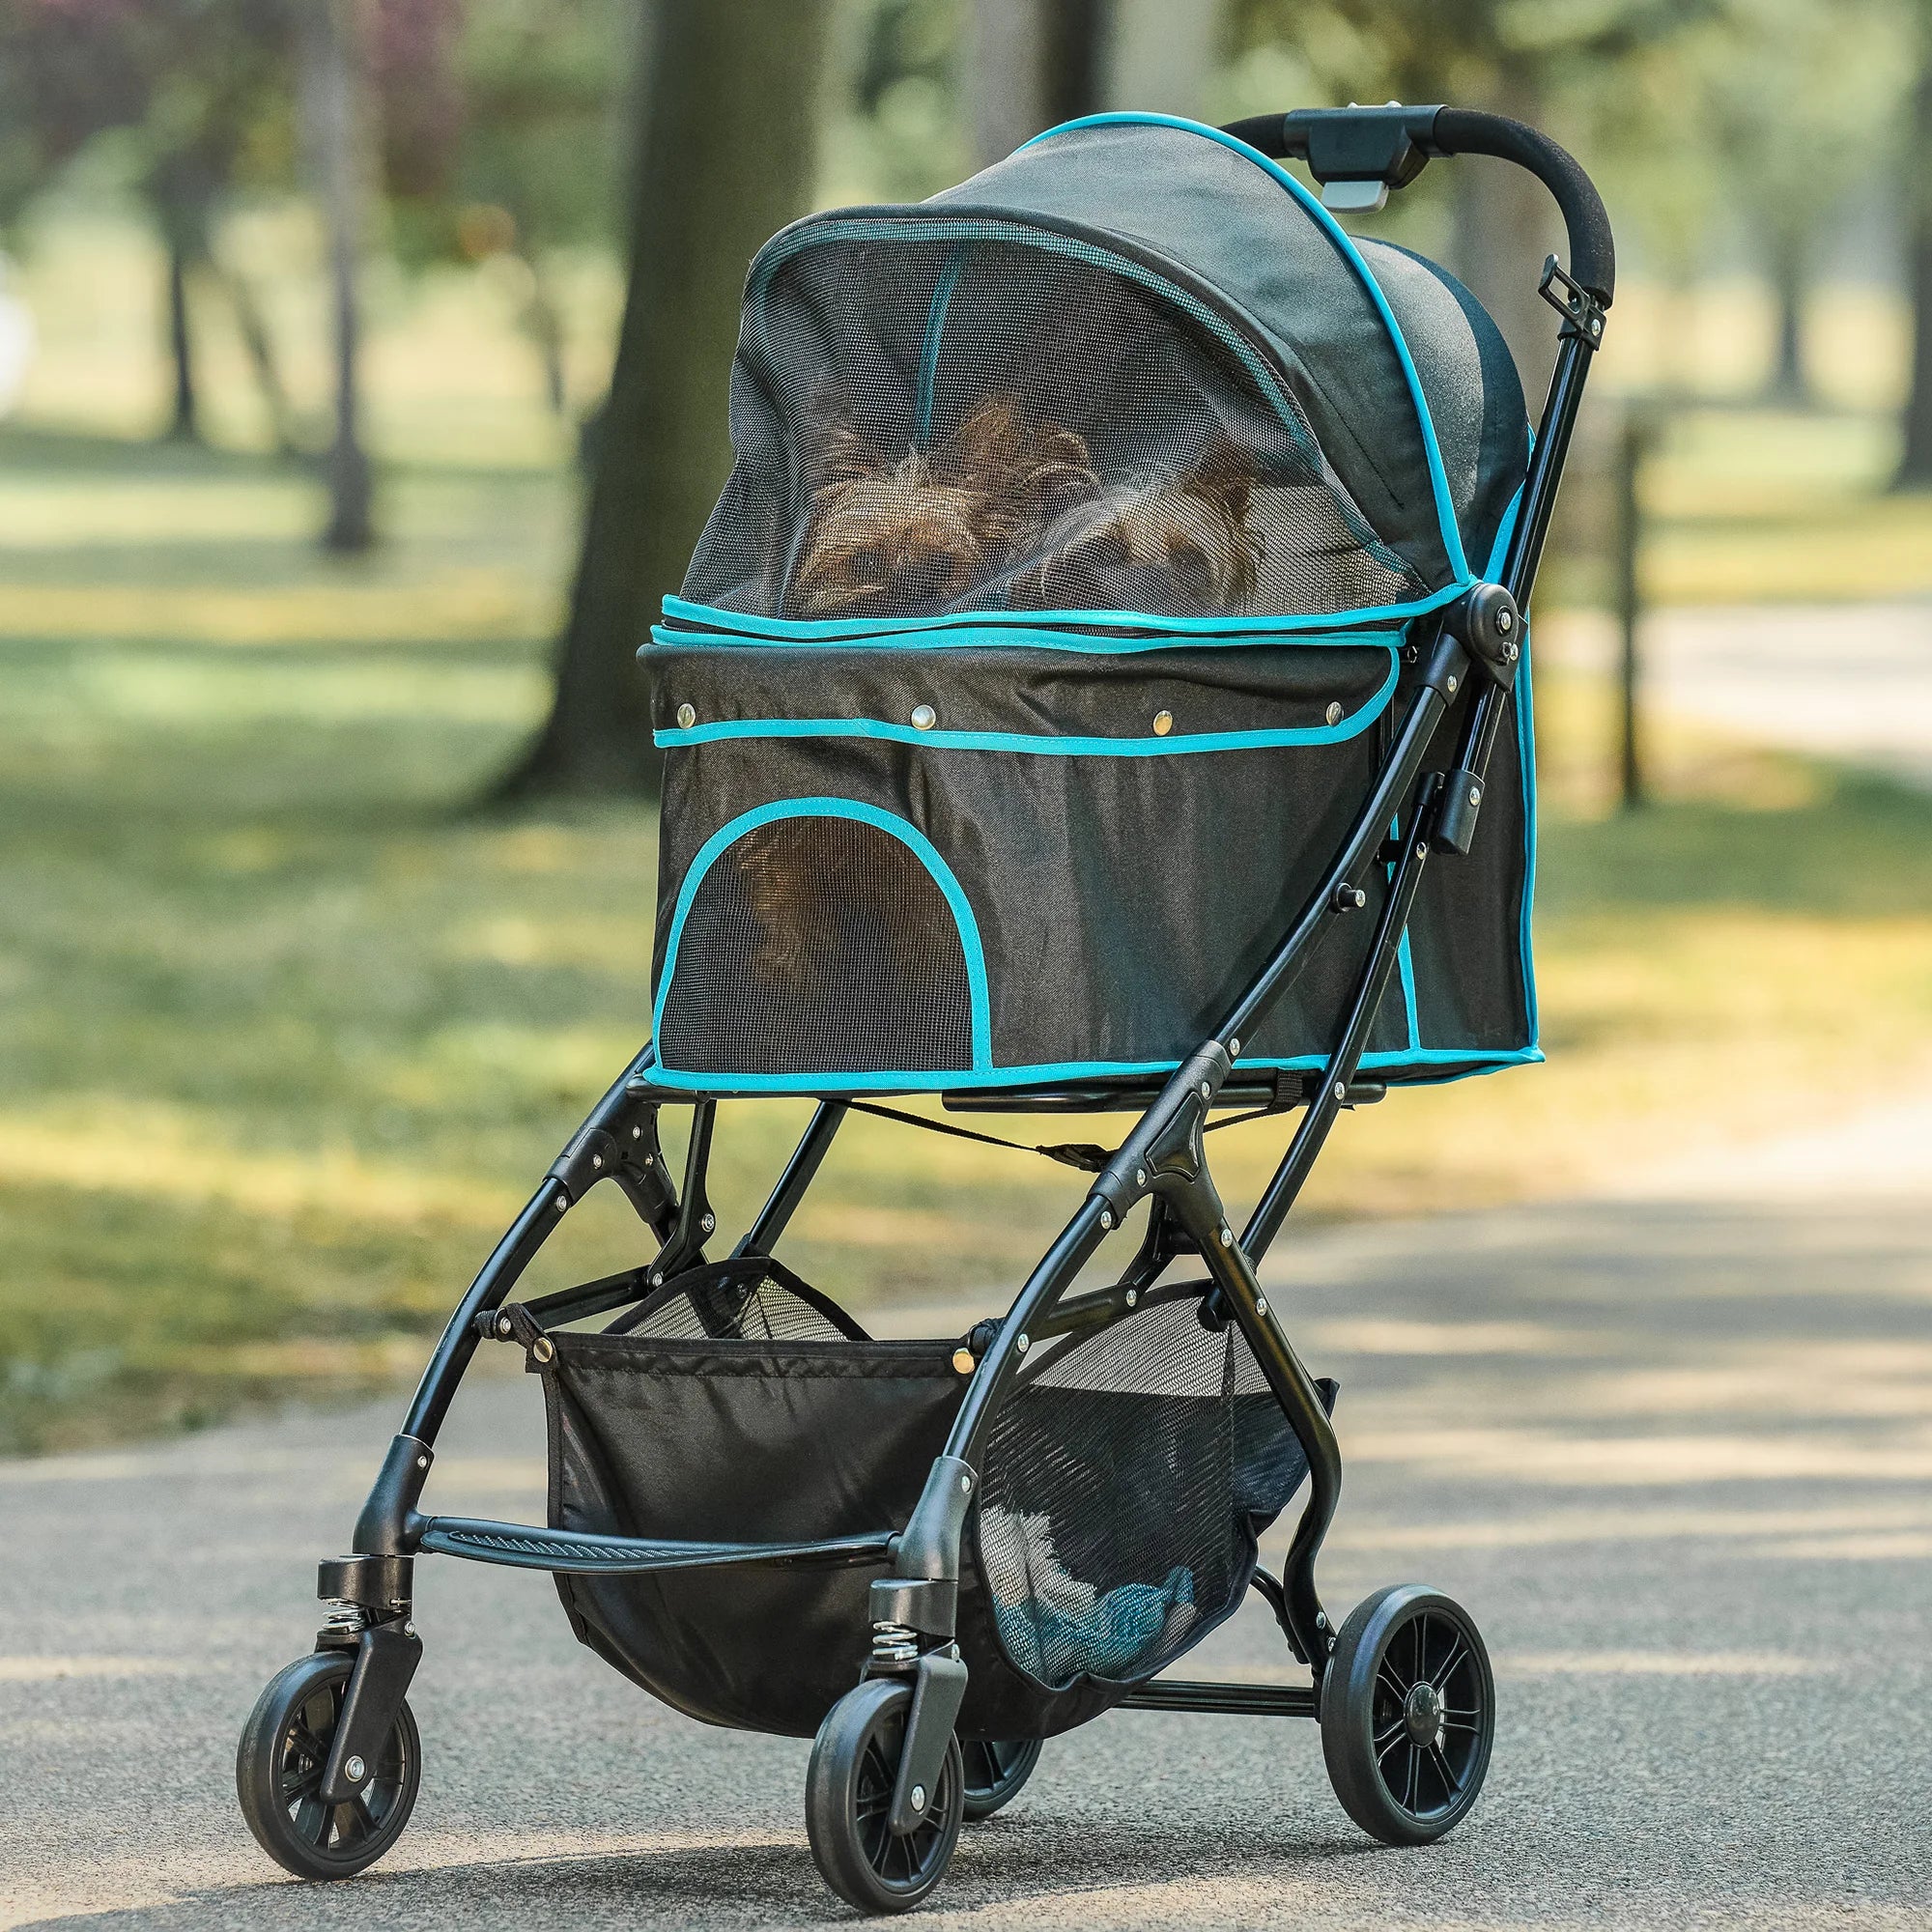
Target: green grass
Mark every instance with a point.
(288, 1029)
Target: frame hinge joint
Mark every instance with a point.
(1581, 312)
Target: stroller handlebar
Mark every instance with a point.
(1393, 144)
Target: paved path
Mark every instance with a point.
(1848, 681)
(1675, 1452)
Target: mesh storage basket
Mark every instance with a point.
(1124, 1485)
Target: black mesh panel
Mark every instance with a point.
(817, 945)
(1126, 1479)
(993, 423)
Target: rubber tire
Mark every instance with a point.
(258, 1771)
(993, 1784)
(1349, 1689)
(870, 1721)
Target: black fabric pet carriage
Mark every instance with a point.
(1116, 603)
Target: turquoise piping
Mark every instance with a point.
(997, 636)
(1042, 744)
(915, 841)
(935, 326)
(1439, 478)
(1263, 629)
(1467, 1062)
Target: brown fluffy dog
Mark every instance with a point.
(911, 537)
(1177, 547)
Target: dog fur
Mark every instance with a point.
(912, 536)
(1178, 547)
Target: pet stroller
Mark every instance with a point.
(1084, 662)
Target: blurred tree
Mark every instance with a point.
(334, 79)
(1914, 468)
(1515, 57)
(193, 89)
(1030, 64)
(499, 117)
(726, 154)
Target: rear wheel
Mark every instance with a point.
(995, 1771)
(1408, 1709)
(279, 1765)
(849, 1794)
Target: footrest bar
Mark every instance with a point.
(1234, 1700)
(526, 1547)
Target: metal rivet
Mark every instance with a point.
(543, 1348)
(1227, 1238)
(596, 1160)
(1261, 1305)
(503, 1324)
(561, 1202)
(1106, 1217)
(1163, 723)
(924, 717)
(1422, 849)
(709, 1223)
(919, 1798)
(687, 717)
(657, 1281)
(1504, 621)
(1475, 794)
(422, 1461)
(1334, 713)
(1206, 1090)
(408, 1630)
(1321, 1620)
(1023, 1343)
(636, 1134)
(966, 1482)
(1452, 686)
(353, 1769)
(1341, 1091)
(962, 1361)
(1234, 1047)
(1139, 1177)
(1133, 1297)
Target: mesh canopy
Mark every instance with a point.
(1019, 397)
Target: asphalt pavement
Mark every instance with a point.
(1672, 1448)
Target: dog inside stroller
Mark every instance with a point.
(1083, 699)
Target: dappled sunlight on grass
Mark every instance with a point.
(289, 1030)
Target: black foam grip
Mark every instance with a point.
(1593, 251)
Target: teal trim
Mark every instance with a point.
(1042, 745)
(1001, 636)
(928, 354)
(1267, 629)
(915, 841)
(1439, 477)
(1053, 1072)
(1405, 966)
(1525, 741)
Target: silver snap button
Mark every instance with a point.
(1335, 711)
(924, 717)
(687, 717)
(1163, 723)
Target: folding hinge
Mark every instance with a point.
(1581, 312)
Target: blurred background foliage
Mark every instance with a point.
(326, 869)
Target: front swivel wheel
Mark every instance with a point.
(848, 1795)
(279, 1767)
(1408, 1709)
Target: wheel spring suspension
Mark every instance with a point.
(342, 1624)
(895, 1646)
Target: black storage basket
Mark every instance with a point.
(1126, 1479)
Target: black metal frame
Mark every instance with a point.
(1161, 1160)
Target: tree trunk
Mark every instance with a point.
(1915, 467)
(727, 157)
(1030, 65)
(1790, 283)
(339, 125)
(1160, 54)
(184, 425)
(1505, 226)
(259, 342)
